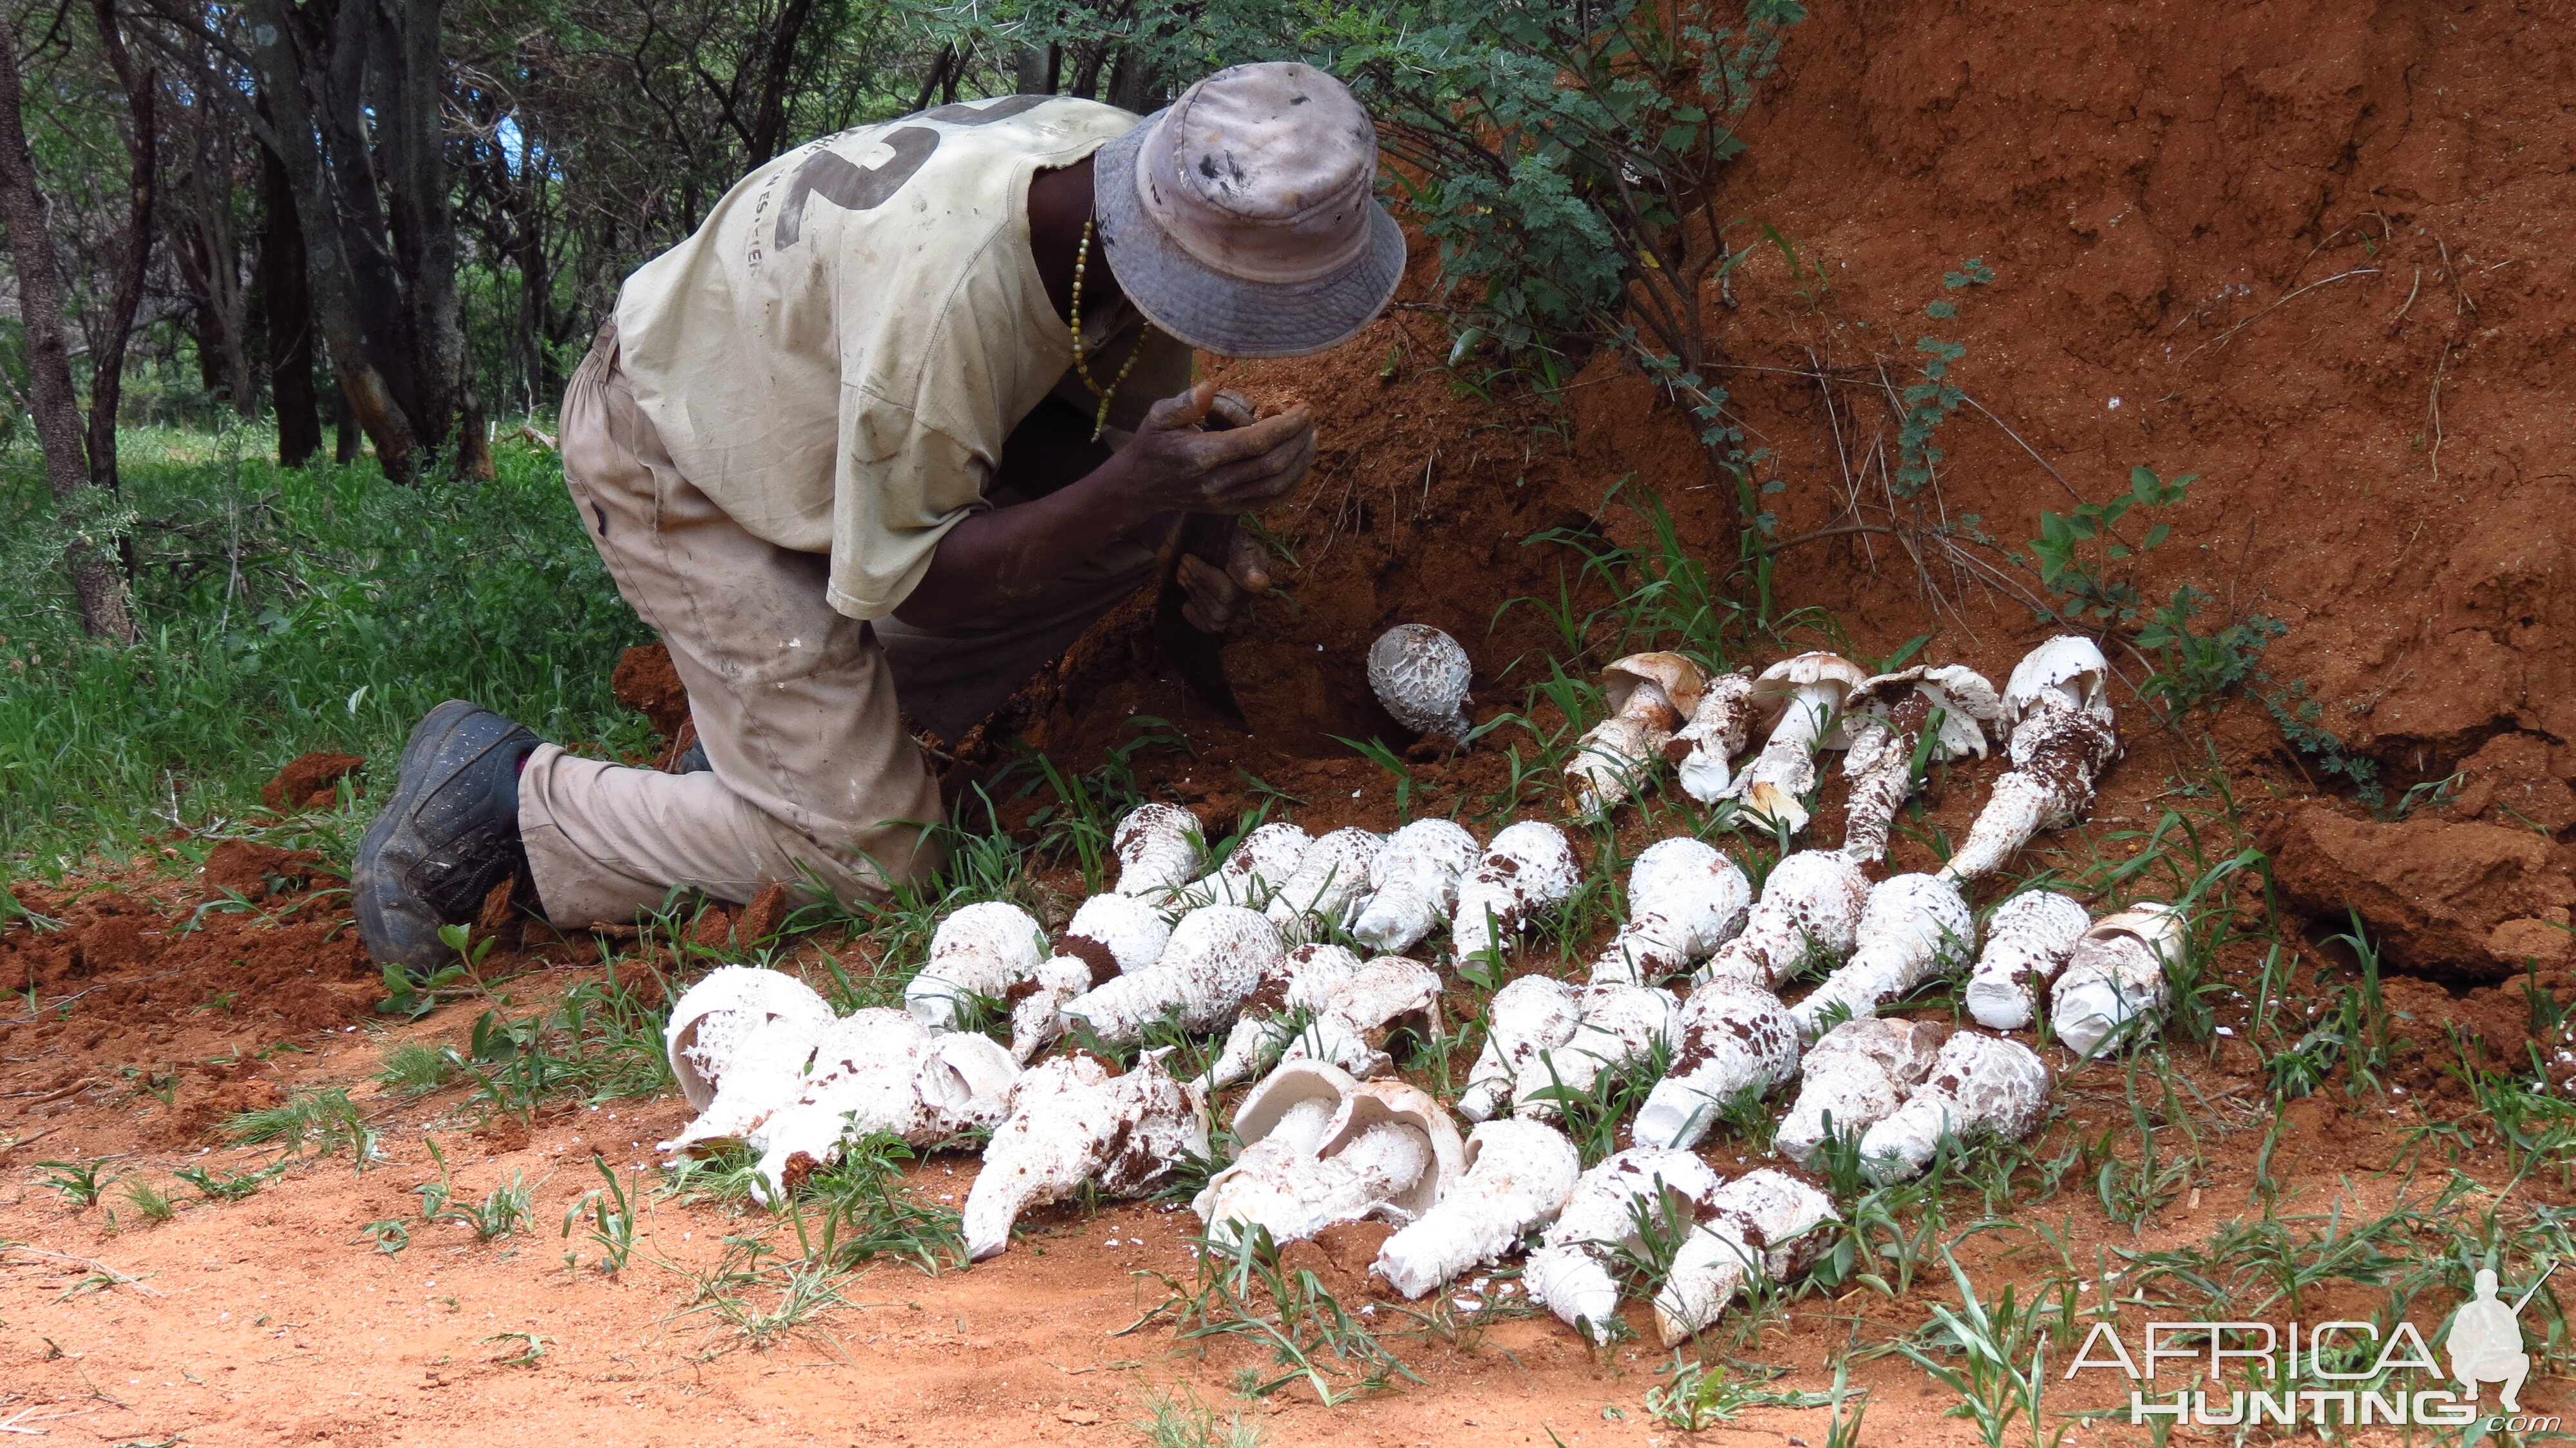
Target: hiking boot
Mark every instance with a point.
(449, 834)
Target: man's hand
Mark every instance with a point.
(1217, 595)
(1173, 463)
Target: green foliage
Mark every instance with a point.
(415, 1069)
(1930, 402)
(2194, 668)
(78, 1182)
(1699, 1397)
(1182, 1421)
(2300, 718)
(2074, 571)
(286, 611)
(607, 1216)
(2002, 1345)
(323, 1118)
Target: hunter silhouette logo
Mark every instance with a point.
(2485, 1341)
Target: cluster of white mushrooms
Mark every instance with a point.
(1328, 1135)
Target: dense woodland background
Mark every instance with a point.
(387, 223)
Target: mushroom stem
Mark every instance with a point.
(1735, 1036)
(1527, 1017)
(1775, 785)
(1527, 871)
(1809, 913)
(1913, 927)
(1331, 882)
(1619, 1025)
(2028, 941)
(1684, 901)
(2057, 753)
(1519, 1174)
(1609, 1210)
(1855, 1077)
(1713, 737)
(1413, 884)
(1763, 1219)
(1881, 769)
(1977, 1083)
(1158, 850)
(1072, 1122)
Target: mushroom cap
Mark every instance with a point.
(1388, 1099)
(1963, 696)
(758, 994)
(2159, 927)
(2070, 664)
(1420, 674)
(1293, 1082)
(1680, 680)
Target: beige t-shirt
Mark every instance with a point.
(836, 356)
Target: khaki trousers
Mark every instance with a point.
(815, 783)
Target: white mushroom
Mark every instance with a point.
(1618, 1026)
(1526, 1017)
(1809, 912)
(1684, 901)
(876, 1071)
(1886, 717)
(1734, 1036)
(1855, 1077)
(1261, 864)
(983, 950)
(1329, 886)
(1158, 848)
(1915, 927)
(2117, 975)
(1321, 1148)
(1109, 935)
(1714, 736)
(1346, 1007)
(1413, 884)
(1806, 692)
(1762, 1218)
(1210, 964)
(2058, 707)
(1071, 1122)
(1978, 1084)
(1518, 1176)
(1420, 675)
(1570, 1273)
(2028, 940)
(1649, 695)
(716, 1018)
(1527, 871)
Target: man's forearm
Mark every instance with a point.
(1011, 553)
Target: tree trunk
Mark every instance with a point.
(97, 586)
(280, 53)
(134, 255)
(769, 118)
(289, 309)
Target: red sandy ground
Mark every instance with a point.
(2312, 249)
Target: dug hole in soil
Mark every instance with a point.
(2307, 252)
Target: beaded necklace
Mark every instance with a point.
(1100, 420)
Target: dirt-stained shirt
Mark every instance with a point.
(837, 354)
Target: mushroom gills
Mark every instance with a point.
(1650, 695)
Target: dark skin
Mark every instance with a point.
(1173, 465)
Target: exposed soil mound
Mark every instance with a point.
(309, 781)
(254, 871)
(646, 682)
(2466, 901)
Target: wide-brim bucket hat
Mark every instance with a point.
(1243, 217)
